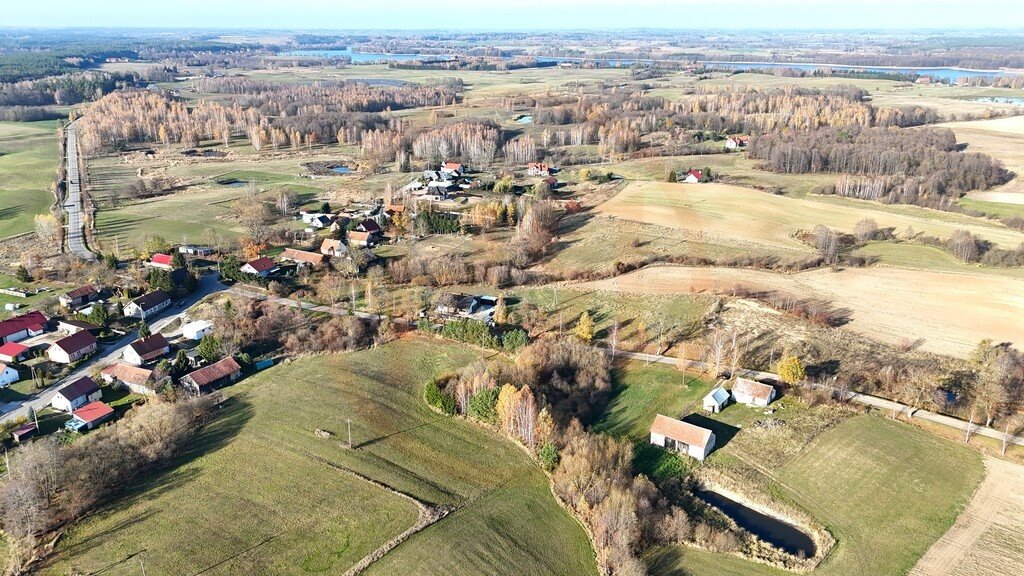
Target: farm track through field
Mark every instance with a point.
(997, 504)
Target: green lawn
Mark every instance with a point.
(905, 255)
(260, 493)
(28, 162)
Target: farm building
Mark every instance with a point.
(735, 142)
(75, 326)
(682, 437)
(716, 400)
(196, 330)
(752, 393)
(146, 349)
(452, 170)
(163, 261)
(362, 239)
(71, 349)
(261, 267)
(8, 375)
(12, 352)
(89, 416)
(693, 177)
(24, 432)
(538, 169)
(467, 306)
(75, 395)
(148, 304)
(21, 327)
(204, 380)
(303, 258)
(192, 250)
(79, 296)
(332, 247)
(136, 379)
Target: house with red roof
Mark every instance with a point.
(89, 416)
(538, 169)
(138, 380)
(452, 170)
(682, 437)
(693, 177)
(261, 267)
(71, 349)
(22, 327)
(12, 352)
(161, 261)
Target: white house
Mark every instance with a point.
(693, 177)
(21, 327)
(261, 267)
(452, 170)
(77, 394)
(8, 375)
(682, 437)
(752, 393)
(148, 304)
(735, 142)
(716, 400)
(138, 380)
(71, 349)
(196, 330)
(193, 250)
(333, 247)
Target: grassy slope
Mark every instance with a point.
(268, 477)
(28, 159)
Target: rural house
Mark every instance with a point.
(693, 177)
(12, 352)
(163, 261)
(362, 239)
(735, 142)
(79, 296)
(146, 349)
(332, 247)
(71, 349)
(196, 330)
(21, 327)
(136, 379)
(716, 400)
(467, 306)
(303, 258)
(452, 170)
(752, 393)
(682, 437)
(8, 375)
(75, 395)
(193, 250)
(89, 416)
(538, 169)
(204, 380)
(261, 267)
(148, 305)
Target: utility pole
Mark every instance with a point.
(349, 433)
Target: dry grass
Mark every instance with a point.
(888, 304)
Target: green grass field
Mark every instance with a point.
(28, 162)
(885, 490)
(260, 493)
(905, 255)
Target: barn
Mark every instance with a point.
(682, 437)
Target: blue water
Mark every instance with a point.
(948, 74)
(342, 169)
(358, 57)
(527, 119)
(1000, 100)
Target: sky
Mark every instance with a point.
(516, 14)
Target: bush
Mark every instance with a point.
(513, 340)
(470, 331)
(436, 397)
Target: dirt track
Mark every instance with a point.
(986, 539)
(950, 312)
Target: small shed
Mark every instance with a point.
(24, 432)
(682, 437)
(89, 416)
(716, 400)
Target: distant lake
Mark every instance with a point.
(1001, 100)
(948, 74)
(357, 57)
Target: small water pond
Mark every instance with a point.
(341, 170)
(525, 119)
(772, 530)
(1001, 100)
(234, 183)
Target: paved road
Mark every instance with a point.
(73, 202)
(111, 352)
(889, 406)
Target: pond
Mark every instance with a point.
(234, 183)
(525, 119)
(1001, 100)
(772, 530)
(341, 170)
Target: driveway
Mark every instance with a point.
(73, 202)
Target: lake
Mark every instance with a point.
(772, 530)
(360, 57)
(948, 74)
